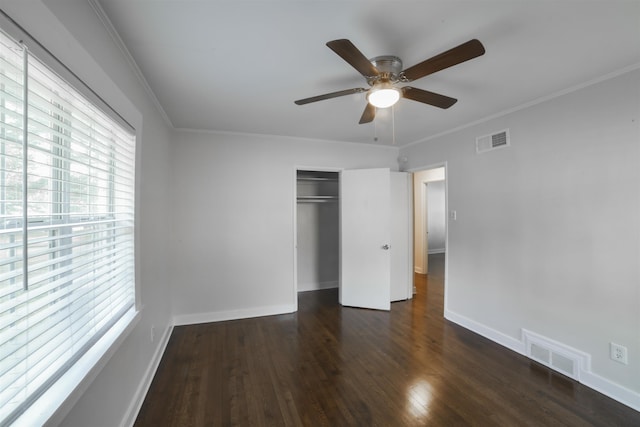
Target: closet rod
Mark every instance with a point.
(317, 199)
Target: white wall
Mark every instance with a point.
(234, 204)
(70, 29)
(541, 241)
(548, 230)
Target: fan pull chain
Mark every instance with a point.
(393, 124)
(375, 131)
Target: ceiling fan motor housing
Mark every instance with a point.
(383, 73)
(390, 68)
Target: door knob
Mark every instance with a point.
(385, 247)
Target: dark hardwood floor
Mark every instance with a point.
(332, 366)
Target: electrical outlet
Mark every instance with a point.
(618, 353)
(153, 333)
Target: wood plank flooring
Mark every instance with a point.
(332, 366)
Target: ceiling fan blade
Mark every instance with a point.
(369, 114)
(347, 51)
(427, 97)
(330, 95)
(464, 52)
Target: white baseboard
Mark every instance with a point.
(317, 286)
(219, 316)
(487, 332)
(134, 408)
(611, 389)
(602, 385)
(138, 399)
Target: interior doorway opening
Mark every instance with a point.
(317, 229)
(352, 231)
(429, 216)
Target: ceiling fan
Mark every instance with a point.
(384, 73)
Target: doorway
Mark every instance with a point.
(317, 230)
(429, 216)
(352, 231)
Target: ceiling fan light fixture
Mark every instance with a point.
(383, 95)
(383, 72)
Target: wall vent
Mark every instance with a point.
(493, 141)
(554, 355)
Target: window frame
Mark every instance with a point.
(54, 404)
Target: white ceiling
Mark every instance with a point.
(237, 66)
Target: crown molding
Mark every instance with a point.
(129, 58)
(526, 105)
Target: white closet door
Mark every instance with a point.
(365, 270)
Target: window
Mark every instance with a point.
(66, 226)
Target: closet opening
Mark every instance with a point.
(317, 230)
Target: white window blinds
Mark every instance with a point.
(66, 226)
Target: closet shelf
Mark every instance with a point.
(316, 178)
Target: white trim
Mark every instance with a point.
(446, 236)
(281, 137)
(55, 404)
(108, 25)
(536, 101)
(608, 388)
(318, 286)
(424, 220)
(581, 360)
(243, 313)
(487, 332)
(316, 169)
(602, 385)
(411, 235)
(446, 225)
(143, 388)
(297, 168)
(329, 285)
(294, 293)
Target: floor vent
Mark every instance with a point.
(559, 357)
(493, 141)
